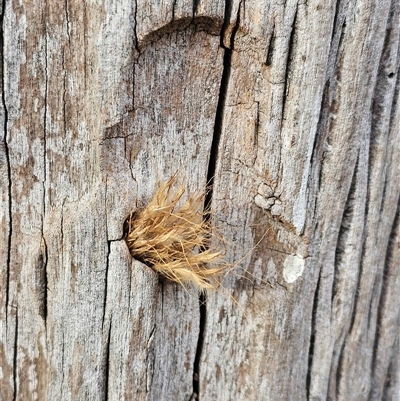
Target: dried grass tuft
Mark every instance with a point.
(176, 239)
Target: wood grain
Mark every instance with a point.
(289, 110)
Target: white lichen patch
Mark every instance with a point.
(265, 199)
(276, 209)
(264, 203)
(293, 268)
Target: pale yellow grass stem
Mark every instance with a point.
(177, 241)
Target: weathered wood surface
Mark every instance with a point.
(293, 108)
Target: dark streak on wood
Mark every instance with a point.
(220, 108)
(46, 91)
(345, 225)
(391, 265)
(328, 104)
(225, 25)
(357, 291)
(338, 63)
(195, 7)
(7, 159)
(291, 51)
(64, 102)
(67, 20)
(391, 379)
(173, 9)
(396, 93)
(384, 81)
(41, 280)
(210, 176)
(320, 137)
(15, 366)
(62, 364)
(107, 364)
(130, 272)
(312, 337)
(386, 93)
(256, 128)
(271, 49)
(384, 86)
(199, 348)
(136, 44)
(339, 369)
(336, 19)
(106, 282)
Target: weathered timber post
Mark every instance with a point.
(290, 110)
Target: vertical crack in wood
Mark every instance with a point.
(135, 60)
(42, 266)
(46, 89)
(106, 283)
(173, 10)
(358, 286)
(389, 271)
(392, 381)
(150, 360)
(386, 94)
(64, 105)
(381, 109)
(289, 62)
(225, 25)
(271, 48)
(362, 258)
(7, 157)
(384, 99)
(130, 273)
(15, 356)
(162, 297)
(328, 103)
(317, 155)
(62, 364)
(312, 337)
(322, 133)
(386, 185)
(200, 340)
(135, 35)
(339, 52)
(339, 370)
(219, 116)
(214, 151)
(195, 7)
(256, 130)
(396, 93)
(107, 364)
(45, 307)
(335, 19)
(86, 66)
(342, 245)
(345, 226)
(67, 21)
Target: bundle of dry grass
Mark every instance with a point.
(175, 240)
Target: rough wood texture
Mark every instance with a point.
(291, 111)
